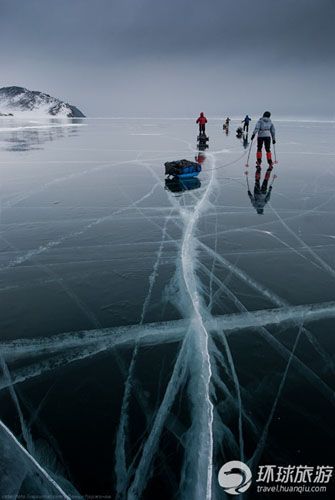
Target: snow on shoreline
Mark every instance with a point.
(24, 102)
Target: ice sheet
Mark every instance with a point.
(198, 319)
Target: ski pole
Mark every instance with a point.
(247, 164)
(274, 150)
(247, 177)
(273, 179)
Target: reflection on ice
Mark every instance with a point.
(262, 193)
(29, 136)
(178, 186)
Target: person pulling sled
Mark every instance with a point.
(246, 122)
(202, 120)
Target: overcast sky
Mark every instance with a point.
(173, 57)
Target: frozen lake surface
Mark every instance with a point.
(152, 331)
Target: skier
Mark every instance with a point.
(202, 120)
(246, 122)
(265, 130)
(227, 121)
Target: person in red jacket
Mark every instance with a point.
(202, 120)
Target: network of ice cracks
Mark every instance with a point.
(199, 363)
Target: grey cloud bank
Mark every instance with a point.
(154, 58)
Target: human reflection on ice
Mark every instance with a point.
(262, 192)
(245, 140)
(200, 158)
(30, 136)
(243, 136)
(176, 185)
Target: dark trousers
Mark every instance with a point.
(246, 127)
(201, 128)
(264, 140)
(267, 143)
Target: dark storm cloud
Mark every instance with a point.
(114, 42)
(175, 27)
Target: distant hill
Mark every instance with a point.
(19, 100)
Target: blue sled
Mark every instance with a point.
(188, 176)
(182, 169)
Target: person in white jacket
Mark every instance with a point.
(265, 131)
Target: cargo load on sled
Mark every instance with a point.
(182, 169)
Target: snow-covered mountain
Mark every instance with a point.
(19, 100)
